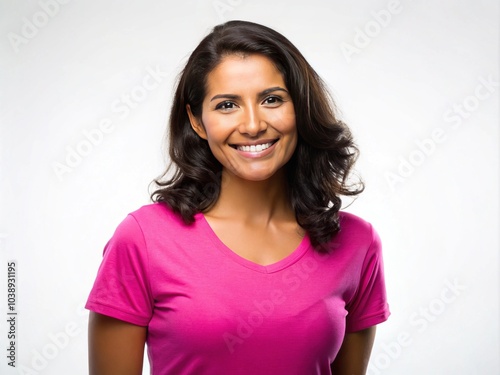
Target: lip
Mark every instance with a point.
(257, 154)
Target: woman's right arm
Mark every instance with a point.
(115, 347)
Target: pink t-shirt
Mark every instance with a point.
(210, 311)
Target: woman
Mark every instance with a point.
(244, 264)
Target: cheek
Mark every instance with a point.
(213, 128)
(291, 121)
(284, 121)
(290, 130)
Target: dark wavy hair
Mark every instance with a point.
(318, 171)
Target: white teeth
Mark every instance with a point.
(255, 148)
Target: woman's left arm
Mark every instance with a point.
(354, 353)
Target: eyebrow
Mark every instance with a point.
(260, 94)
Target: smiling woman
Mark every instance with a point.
(244, 263)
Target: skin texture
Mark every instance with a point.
(115, 347)
(354, 353)
(246, 102)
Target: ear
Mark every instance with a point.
(196, 124)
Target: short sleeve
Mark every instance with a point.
(121, 289)
(369, 306)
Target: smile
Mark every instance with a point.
(254, 148)
(256, 151)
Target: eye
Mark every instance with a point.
(273, 101)
(225, 106)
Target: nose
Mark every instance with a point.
(252, 122)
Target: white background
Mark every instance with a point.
(416, 73)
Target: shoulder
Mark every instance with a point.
(156, 213)
(152, 210)
(356, 234)
(159, 221)
(355, 225)
(136, 222)
(140, 228)
(352, 219)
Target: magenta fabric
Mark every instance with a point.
(210, 311)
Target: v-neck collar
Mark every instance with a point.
(287, 261)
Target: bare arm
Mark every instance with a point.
(115, 347)
(354, 353)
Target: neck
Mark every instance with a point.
(253, 202)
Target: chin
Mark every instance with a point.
(258, 176)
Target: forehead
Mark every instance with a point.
(240, 73)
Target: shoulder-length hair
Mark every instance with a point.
(318, 171)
